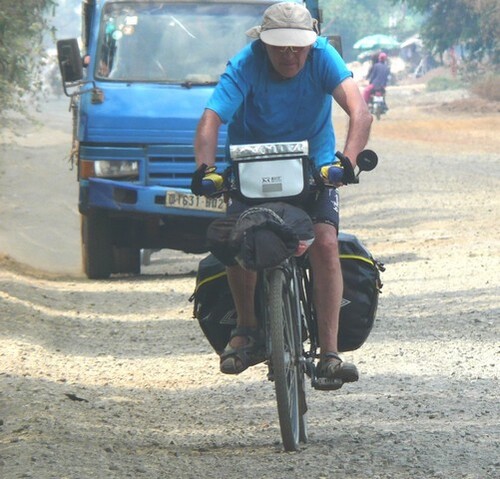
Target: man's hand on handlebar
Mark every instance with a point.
(333, 174)
(206, 182)
(349, 175)
(339, 173)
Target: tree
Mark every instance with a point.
(488, 12)
(354, 20)
(471, 23)
(23, 24)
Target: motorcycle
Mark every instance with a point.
(377, 104)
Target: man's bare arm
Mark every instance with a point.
(207, 133)
(348, 96)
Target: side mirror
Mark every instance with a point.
(70, 62)
(367, 160)
(336, 42)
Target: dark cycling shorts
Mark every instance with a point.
(322, 207)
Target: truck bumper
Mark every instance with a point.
(152, 200)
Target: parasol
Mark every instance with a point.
(378, 41)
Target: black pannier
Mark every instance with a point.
(216, 314)
(213, 302)
(362, 285)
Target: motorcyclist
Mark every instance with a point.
(378, 76)
(280, 88)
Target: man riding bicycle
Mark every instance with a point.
(279, 88)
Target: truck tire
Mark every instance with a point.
(97, 249)
(127, 260)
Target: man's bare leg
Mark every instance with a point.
(242, 284)
(328, 284)
(328, 289)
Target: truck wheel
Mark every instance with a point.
(127, 260)
(97, 251)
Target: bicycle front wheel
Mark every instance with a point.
(286, 346)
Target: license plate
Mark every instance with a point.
(188, 201)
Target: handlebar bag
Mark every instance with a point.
(261, 237)
(271, 171)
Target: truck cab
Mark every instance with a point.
(148, 70)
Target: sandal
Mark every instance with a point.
(237, 360)
(332, 367)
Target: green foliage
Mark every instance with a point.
(443, 83)
(354, 20)
(473, 24)
(22, 27)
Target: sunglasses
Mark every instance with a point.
(290, 49)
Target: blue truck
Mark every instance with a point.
(138, 80)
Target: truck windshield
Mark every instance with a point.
(181, 42)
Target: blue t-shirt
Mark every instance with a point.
(261, 107)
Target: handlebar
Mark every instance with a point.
(366, 161)
(349, 175)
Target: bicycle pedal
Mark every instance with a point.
(326, 384)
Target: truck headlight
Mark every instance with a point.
(116, 169)
(109, 169)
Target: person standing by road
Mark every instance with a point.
(280, 88)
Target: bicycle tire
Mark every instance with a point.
(303, 430)
(285, 340)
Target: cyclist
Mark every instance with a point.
(280, 88)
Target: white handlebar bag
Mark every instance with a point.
(271, 171)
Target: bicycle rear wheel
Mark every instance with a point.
(286, 348)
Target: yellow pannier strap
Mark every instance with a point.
(342, 256)
(359, 258)
(210, 278)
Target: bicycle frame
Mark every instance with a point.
(309, 314)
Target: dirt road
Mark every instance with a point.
(39, 218)
(113, 379)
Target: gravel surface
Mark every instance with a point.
(114, 379)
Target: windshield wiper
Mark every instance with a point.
(189, 84)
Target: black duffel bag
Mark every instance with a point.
(261, 237)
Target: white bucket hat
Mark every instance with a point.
(286, 24)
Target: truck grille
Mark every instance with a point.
(172, 168)
(170, 171)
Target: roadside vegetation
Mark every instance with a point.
(487, 87)
(23, 25)
(444, 83)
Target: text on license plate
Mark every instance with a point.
(188, 201)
